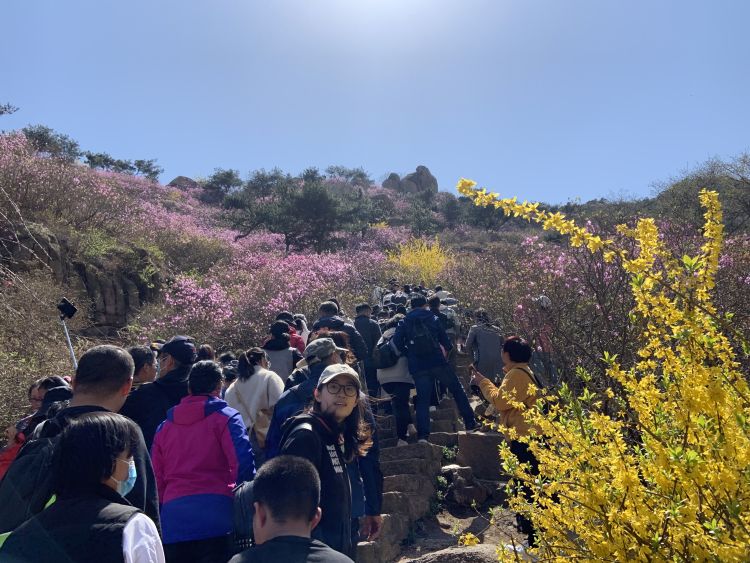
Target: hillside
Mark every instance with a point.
(144, 260)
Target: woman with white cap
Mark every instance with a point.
(331, 434)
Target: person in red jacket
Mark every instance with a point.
(295, 339)
(199, 454)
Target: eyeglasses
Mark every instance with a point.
(349, 389)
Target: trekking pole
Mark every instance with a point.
(67, 310)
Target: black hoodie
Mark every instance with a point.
(147, 406)
(317, 440)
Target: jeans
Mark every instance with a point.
(399, 393)
(425, 382)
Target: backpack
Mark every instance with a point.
(384, 355)
(27, 486)
(421, 342)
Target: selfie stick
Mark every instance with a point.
(70, 344)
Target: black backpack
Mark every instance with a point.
(384, 355)
(421, 342)
(27, 486)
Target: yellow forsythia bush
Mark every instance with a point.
(668, 479)
(419, 261)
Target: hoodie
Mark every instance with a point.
(200, 452)
(356, 341)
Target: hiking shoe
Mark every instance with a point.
(401, 443)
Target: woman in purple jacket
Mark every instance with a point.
(199, 453)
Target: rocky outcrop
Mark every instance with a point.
(421, 181)
(115, 294)
(184, 183)
(30, 247)
(115, 287)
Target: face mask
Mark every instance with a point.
(124, 487)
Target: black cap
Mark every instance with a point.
(181, 348)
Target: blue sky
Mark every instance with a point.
(547, 100)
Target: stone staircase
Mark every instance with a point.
(410, 475)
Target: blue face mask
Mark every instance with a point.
(124, 487)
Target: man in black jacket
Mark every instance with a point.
(147, 406)
(103, 380)
(286, 494)
(329, 319)
(370, 331)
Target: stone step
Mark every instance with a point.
(445, 426)
(386, 432)
(444, 439)
(387, 442)
(418, 467)
(408, 484)
(384, 422)
(388, 546)
(419, 450)
(415, 506)
(480, 451)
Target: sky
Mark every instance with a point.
(551, 100)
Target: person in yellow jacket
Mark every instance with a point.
(518, 378)
(516, 354)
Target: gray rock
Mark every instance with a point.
(183, 183)
(393, 182)
(422, 179)
(480, 451)
(451, 472)
(482, 553)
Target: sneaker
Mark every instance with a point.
(433, 408)
(401, 443)
(423, 441)
(411, 430)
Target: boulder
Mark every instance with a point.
(479, 450)
(422, 179)
(393, 182)
(466, 492)
(495, 490)
(482, 553)
(453, 471)
(184, 183)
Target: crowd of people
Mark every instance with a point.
(170, 452)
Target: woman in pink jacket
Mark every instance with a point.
(199, 453)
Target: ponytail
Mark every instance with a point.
(247, 362)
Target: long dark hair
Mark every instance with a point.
(357, 433)
(248, 360)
